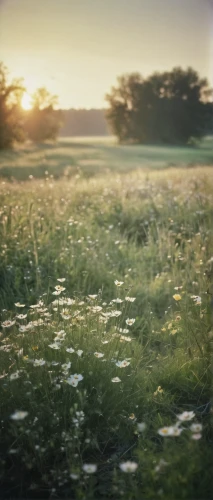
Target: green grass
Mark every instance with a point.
(88, 157)
(152, 230)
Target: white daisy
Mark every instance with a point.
(70, 350)
(130, 321)
(19, 415)
(55, 346)
(89, 468)
(122, 364)
(186, 415)
(74, 379)
(128, 466)
(118, 283)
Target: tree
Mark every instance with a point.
(169, 107)
(43, 121)
(10, 110)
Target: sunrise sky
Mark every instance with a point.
(77, 48)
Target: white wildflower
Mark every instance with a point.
(122, 364)
(8, 323)
(130, 321)
(197, 299)
(118, 283)
(89, 468)
(74, 379)
(141, 426)
(60, 288)
(196, 436)
(196, 427)
(21, 316)
(186, 415)
(15, 375)
(39, 362)
(128, 466)
(19, 415)
(55, 346)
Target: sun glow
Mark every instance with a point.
(26, 101)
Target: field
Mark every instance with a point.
(94, 156)
(106, 271)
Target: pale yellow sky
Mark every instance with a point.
(77, 48)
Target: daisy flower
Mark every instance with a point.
(116, 379)
(122, 364)
(8, 323)
(186, 415)
(39, 362)
(19, 415)
(197, 299)
(15, 375)
(196, 436)
(130, 321)
(60, 288)
(196, 427)
(98, 354)
(74, 379)
(141, 426)
(70, 350)
(128, 466)
(55, 346)
(118, 283)
(21, 316)
(89, 468)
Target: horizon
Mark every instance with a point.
(83, 47)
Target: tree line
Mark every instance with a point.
(40, 123)
(172, 107)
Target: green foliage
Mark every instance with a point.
(10, 115)
(42, 122)
(39, 124)
(153, 232)
(170, 107)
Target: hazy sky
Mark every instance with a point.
(77, 48)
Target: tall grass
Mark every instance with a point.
(152, 232)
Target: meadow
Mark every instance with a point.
(106, 268)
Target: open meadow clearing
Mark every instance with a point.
(106, 264)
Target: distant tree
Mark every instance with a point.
(169, 107)
(11, 125)
(43, 122)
